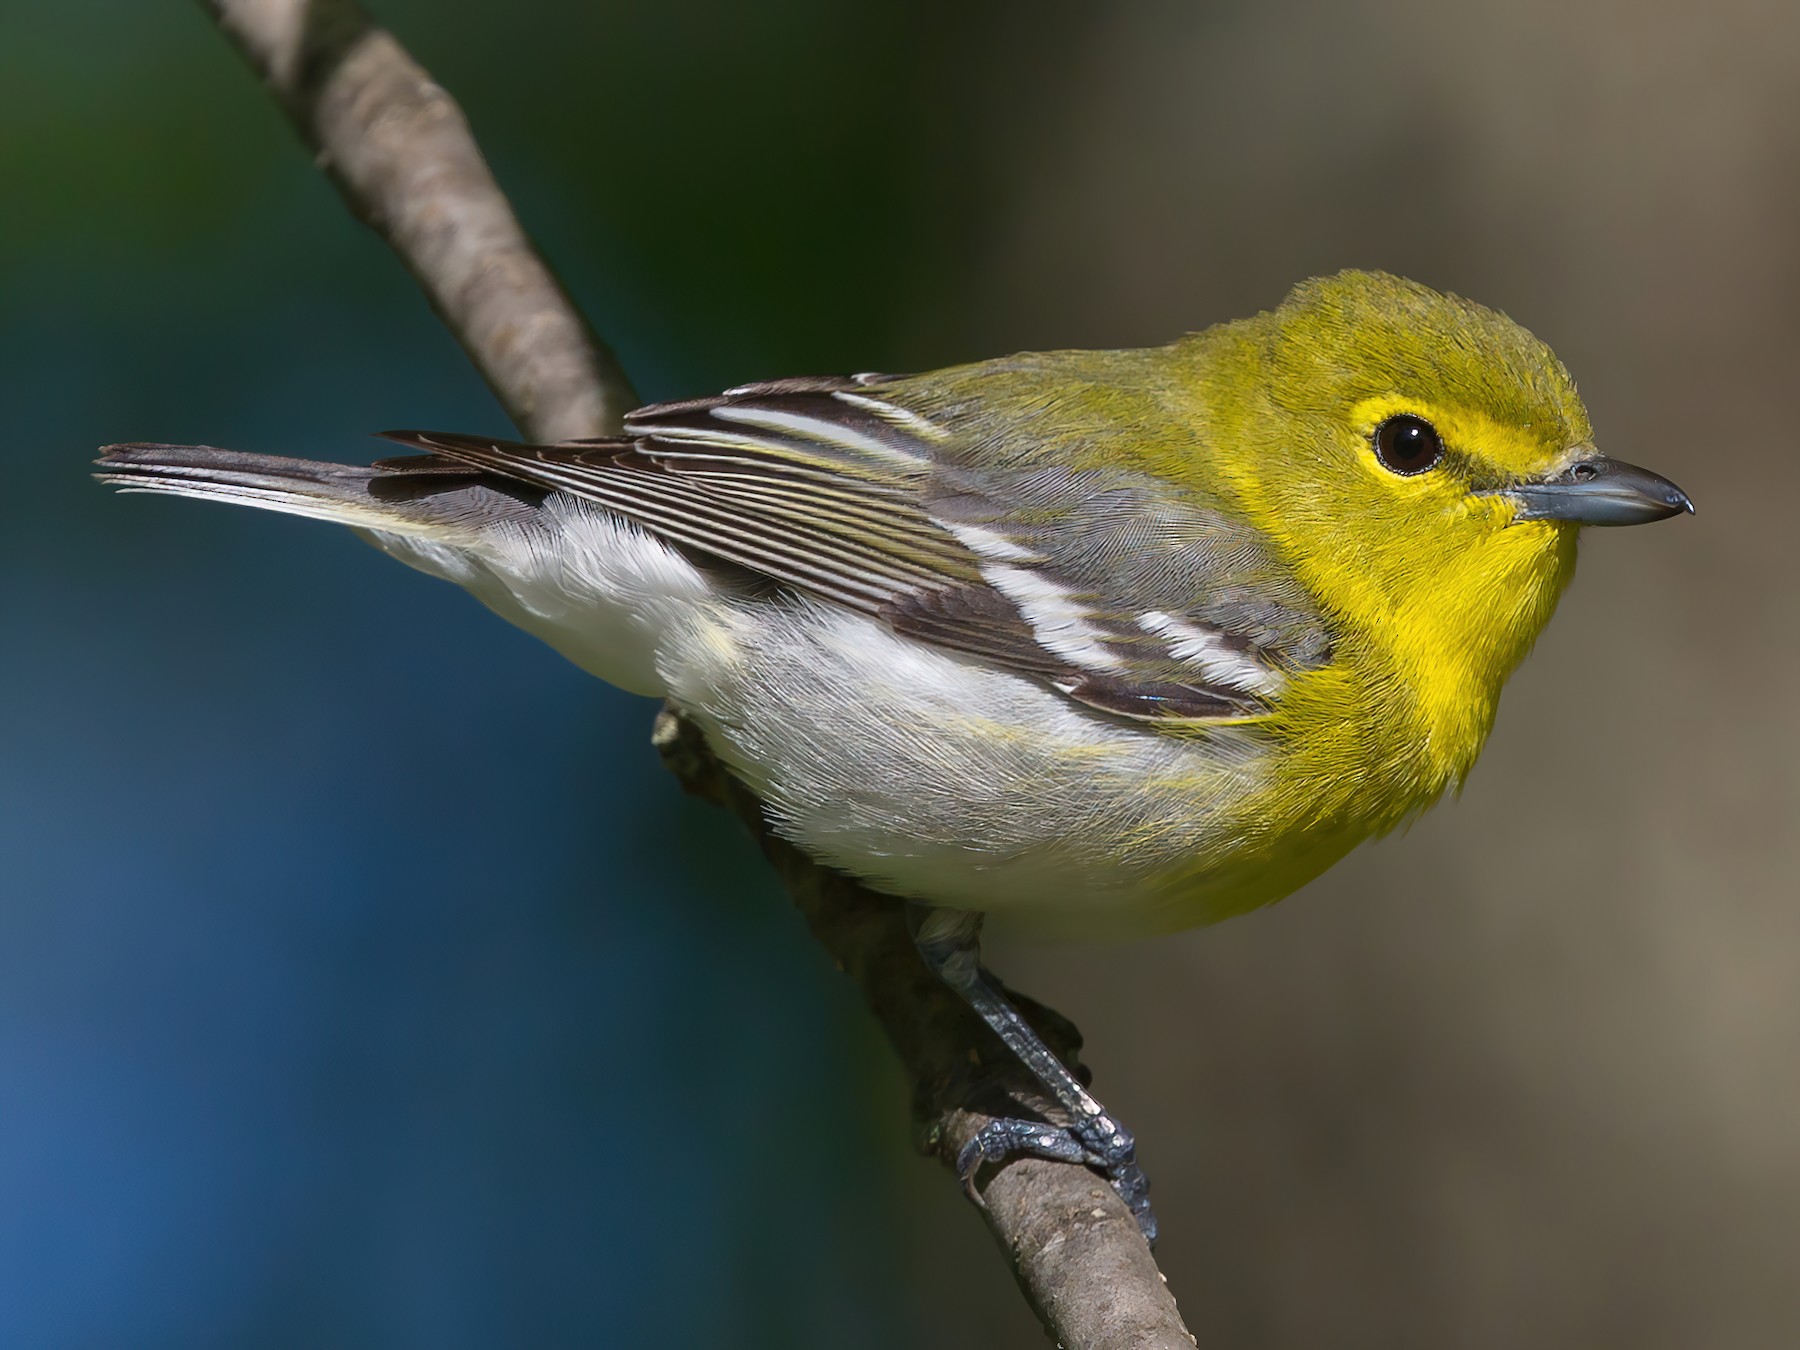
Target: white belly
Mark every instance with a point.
(928, 774)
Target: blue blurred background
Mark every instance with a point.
(364, 981)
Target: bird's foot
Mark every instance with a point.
(1096, 1141)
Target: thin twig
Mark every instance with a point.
(404, 160)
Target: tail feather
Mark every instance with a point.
(427, 499)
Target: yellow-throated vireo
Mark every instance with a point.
(1115, 640)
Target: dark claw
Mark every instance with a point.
(950, 945)
(1099, 1142)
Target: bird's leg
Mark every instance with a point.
(950, 943)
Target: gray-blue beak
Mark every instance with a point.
(1601, 491)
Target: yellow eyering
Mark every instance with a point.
(1518, 451)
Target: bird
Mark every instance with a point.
(1105, 642)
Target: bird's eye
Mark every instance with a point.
(1407, 445)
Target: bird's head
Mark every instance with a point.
(1427, 463)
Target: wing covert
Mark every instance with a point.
(1122, 591)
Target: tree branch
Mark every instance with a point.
(406, 164)
(1075, 1248)
(402, 156)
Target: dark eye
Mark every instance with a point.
(1407, 445)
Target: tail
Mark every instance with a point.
(417, 495)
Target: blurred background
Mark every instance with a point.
(348, 938)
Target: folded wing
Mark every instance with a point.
(1109, 584)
